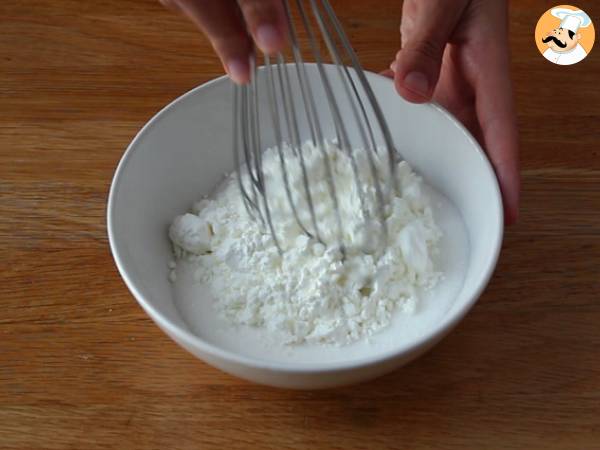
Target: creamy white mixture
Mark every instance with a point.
(310, 293)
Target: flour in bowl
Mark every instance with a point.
(312, 293)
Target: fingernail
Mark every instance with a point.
(237, 71)
(417, 83)
(268, 38)
(393, 66)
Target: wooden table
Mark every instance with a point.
(82, 367)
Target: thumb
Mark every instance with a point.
(426, 27)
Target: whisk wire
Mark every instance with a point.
(238, 146)
(355, 92)
(343, 139)
(311, 100)
(292, 122)
(358, 111)
(393, 154)
(274, 109)
(255, 152)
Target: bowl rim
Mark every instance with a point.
(189, 340)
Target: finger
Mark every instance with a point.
(171, 4)
(425, 29)
(223, 24)
(456, 93)
(496, 114)
(388, 73)
(499, 129)
(266, 22)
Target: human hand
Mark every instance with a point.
(455, 52)
(231, 26)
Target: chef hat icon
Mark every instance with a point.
(571, 19)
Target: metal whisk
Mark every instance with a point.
(284, 116)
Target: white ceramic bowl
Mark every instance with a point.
(182, 153)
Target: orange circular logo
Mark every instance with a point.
(565, 35)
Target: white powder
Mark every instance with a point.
(311, 293)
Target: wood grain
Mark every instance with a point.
(82, 367)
